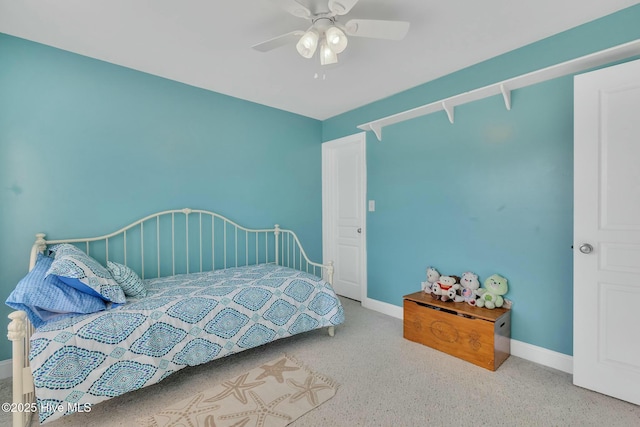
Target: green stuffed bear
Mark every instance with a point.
(491, 295)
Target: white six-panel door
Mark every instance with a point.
(343, 213)
(606, 349)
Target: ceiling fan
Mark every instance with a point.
(327, 32)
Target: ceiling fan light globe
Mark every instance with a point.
(336, 39)
(308, 43)
(327, 56)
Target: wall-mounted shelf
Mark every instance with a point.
(505, 87)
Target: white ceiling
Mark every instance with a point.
(207, 43)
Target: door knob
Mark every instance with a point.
(586, 248)
(359, 230)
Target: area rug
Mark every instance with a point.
(271, 395)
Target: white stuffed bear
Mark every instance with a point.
(432, 277)
(470, 285)
(446, 289)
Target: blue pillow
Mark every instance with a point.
(128, 280)
(80, 271)
(47, 297)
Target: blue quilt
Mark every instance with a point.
(185, 320)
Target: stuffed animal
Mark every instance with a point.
(491, 295)
(432, 277)
(454, 294)
(446, 289)
(470, 286)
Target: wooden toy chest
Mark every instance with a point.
(478, 335)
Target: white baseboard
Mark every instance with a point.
(530, 352)
(383, 307)
(543, 356)
(6, 369)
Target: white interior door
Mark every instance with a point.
(606, 349)
(343, 208)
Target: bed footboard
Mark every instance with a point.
(19, 333)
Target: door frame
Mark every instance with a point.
(328, 219)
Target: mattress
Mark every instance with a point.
(185, 320)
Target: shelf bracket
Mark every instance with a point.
(506, 94)
(449, 111)
(374, 127)
(377, 130)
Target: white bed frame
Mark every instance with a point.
(219, 239)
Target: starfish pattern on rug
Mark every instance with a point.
(262, 410)
(241, 423)
(276, 370)
(236, 388)
(187, 415)
(209, 421)
(309, 390)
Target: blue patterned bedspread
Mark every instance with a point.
(185, 320)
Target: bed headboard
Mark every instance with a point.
(192, 240)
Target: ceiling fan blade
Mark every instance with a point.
(377, 29)
(295, 8)
(341, 7)
(276, 42)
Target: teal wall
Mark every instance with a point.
(492, 193)
(87, 147)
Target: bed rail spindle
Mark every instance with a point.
(158, 242)
(213, 243)
(246, 247)
(186, 220)
(124, 242)
(173, 244)
(224, 242)
(283, 253)
(142, 249)
(236, 247)
(276, 234)
(106, 248)
(200, 234)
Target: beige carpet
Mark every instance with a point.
(272, 395)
